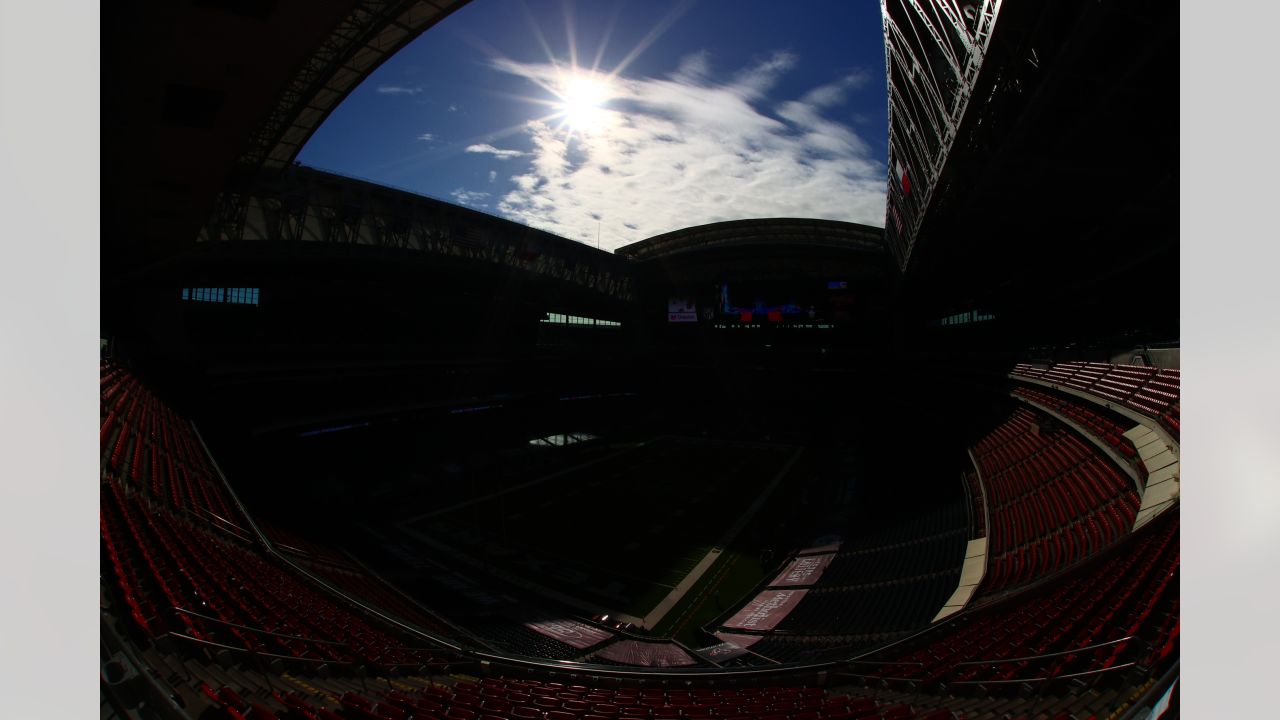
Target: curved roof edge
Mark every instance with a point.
(754, 232)
(371, 33)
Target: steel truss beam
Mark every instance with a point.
(921, 140)
(371, 33)
(304, 205)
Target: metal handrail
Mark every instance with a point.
(271, 549)
(286, 658)
(1043, 679)
(998, 661)
(220, 646)
(192, 613)
(844, 673)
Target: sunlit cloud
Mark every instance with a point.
(399, 90)
(427, 137)
(500, 153)
(689, 149)
(493, 175)
(468, 197)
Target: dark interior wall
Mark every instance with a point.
(1057, 208)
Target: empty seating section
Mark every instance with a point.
(175, 547)
(888, 582)
(145, 442)
(512, 636)
(943, 552)
(1097, 422)
(498, 698)
(232, 595)
(372, 591)
(494, 698)
(1052, 499)
(919, 523)
(351, 578)
(874, 611)
(1120, 610)
(801, 648)
(1154, 392)
(300, 547)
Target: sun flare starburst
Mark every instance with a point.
(581, 100)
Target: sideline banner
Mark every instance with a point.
(721, 652)
(570, 632)
(803, 570)
(635, 652)
(766, 610)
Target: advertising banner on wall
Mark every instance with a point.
(682, 309)
(570, 632)
(643, 654)
(766, 610)
(803, 571)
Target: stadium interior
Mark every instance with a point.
(368, 455)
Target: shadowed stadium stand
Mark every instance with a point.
(369, 455)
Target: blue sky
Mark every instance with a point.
(620, 120)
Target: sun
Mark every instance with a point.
(581, 101)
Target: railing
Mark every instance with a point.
(258, 630)
(986, 508)
(1001, 661)
(885, 662)
(1014, 681)
(968, 501)
(445, 645)
(255, 653)
(491, 663)
(308, 661)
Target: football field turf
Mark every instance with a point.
(620, 532)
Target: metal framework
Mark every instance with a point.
(304, 205)
(934, 50)
(371, 33)
(768, 232)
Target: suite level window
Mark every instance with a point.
(966, 318)
(233, 296)
(563, 319)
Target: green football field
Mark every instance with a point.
(620, 532)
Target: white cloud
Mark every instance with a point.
(500, 153)
(428, 137)
(687, 150)
(399, 90)
(467, 197)
(453, 108)
(835, 93)
(493, 175)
